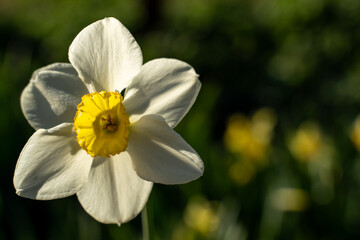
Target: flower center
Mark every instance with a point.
(101, 124)
(108, 124)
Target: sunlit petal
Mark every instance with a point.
(106, 55)
(167, 87)
(114, 193)
(51, 165)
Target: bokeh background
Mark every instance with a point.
(276, 122)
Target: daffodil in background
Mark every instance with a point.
(289, 199)
(355, 133)
(205, 219)
(311, 147)
(307, 142)
(201, 216)
(249, 139)
(106, 147)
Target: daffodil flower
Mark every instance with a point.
(92, 141)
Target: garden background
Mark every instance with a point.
(276, 121)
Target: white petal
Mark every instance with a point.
(114, 193)
(52, 95)
(160, 154)
(166, 87)
(106, 55)
(51, 165)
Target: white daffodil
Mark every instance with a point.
(92, 141)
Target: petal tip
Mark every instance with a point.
(18, 192)
(25, 194)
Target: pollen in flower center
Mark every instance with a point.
(101, 124)
(108, 124)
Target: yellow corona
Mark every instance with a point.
(101, 124)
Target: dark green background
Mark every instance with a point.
(301, 58)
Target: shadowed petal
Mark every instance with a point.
(160, 154)
(52, 95)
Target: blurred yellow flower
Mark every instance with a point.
(355, 133)
(290, 199)
(309, 145)
(306, 143)
(182, 232)
(242, 172)
(201, 216)
(250, 137)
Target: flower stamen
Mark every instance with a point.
(108, 123)
(101, 124)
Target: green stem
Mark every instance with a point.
(145, 224)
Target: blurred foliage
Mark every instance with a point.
(276, 121)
